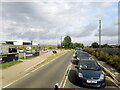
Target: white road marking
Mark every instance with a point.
(65, 77)
(113, 82)
(30, 72)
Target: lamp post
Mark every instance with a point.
(31, 46)
(99, 34)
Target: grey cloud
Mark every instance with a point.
(109, 31)
(47, 24)
(86, 31)
(16, 11)
(31, 35)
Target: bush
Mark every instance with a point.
(104, 56)
(113, 60)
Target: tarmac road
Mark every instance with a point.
(46, 76)
(54, 72)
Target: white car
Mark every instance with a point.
(21, 50)
(28, 48)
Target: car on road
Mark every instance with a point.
(22, 50)
(90, 73)
(80, 54)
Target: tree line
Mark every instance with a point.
(68, 44)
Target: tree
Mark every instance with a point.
(67, 42)
(77, 45)
(95, 45)
(58, 46)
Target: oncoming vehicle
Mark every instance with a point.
(90, 73)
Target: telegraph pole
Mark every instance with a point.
(61, 42)
(31, 46)
(99, 34)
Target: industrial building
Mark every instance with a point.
(20, 42)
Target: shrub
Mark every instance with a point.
(113, 60)
(104, 56)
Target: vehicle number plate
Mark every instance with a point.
(89, 81)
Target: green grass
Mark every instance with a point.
(8, 64)
(50, 58)
(24, 46)
(29, 58)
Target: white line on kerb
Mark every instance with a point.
(113, 82)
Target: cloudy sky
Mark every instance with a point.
(46, 21)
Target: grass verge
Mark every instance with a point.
(50, 58)
(8, 64)
(29, 58)
(32, 56)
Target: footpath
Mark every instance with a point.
(13, 73)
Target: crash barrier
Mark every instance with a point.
(54, 52)
(8, 58)
(32, 54)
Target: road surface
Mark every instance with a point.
(52, 73)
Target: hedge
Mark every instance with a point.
(113, 60)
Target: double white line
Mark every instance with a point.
(63, 82)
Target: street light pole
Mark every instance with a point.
(99, 34)
(31, 46)
(61, 42)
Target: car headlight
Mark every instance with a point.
(80, 75)
(102, 76)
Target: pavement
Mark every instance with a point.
(14, 72)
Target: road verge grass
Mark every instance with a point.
(8, 64)
(50, 58)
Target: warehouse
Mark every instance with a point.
(20, 42)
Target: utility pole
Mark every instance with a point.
(99, 34)
(61, 42)
(31, 46)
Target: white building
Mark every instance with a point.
(20, 42)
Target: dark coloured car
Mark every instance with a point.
(90, 73)
(80, 54)
(12, 50)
